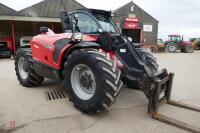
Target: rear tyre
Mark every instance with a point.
(24, 69)
(189, 49)
(171, 47)
(92, 80)
(150, 61)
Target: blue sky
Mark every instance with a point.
(175, 16)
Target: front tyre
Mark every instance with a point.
(92, 80)
(171, 47)
(24, 69)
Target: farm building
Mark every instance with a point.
(26, 22)
(149, 23)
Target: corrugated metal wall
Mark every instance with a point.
(4, 10)
(5, 29)
(50, 8)
(47, 8)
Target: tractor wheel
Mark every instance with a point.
(183, 50)
(91, 80)
(24, 69)
(189, 49)
(150, 61)
(171, 47)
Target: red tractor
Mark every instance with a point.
(92, 59)
(175, 42)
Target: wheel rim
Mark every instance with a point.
(83, 82)
(189, 49)
(172, 48)
(22, 68)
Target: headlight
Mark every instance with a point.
(77, 36)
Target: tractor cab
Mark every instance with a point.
(132, 28)
(175, 38)
(160, 45)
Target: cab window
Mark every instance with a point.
(86, 24)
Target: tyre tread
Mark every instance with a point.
(110, 77)
(33, 79)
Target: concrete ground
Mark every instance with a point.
(27, 110)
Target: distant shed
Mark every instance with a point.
(150, 24)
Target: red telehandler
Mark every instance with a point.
(92, 59)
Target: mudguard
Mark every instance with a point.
(59, 45)
(87, 45)
(82, 45)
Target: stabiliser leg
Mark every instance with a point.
(155, 100)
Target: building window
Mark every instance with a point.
(132, 8)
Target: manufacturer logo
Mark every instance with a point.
(122, 50)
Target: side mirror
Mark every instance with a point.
(44, 30)
(66, 21)
(76, 17)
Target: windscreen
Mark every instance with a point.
(175, 38)
(107, 26)
(106, 23)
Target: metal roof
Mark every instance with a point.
(174, 35)
(129, 4)
(48, 11)
(31, 19)
(4, 10)
(44, 11)
(50, 8)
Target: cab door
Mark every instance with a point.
(86, 23)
